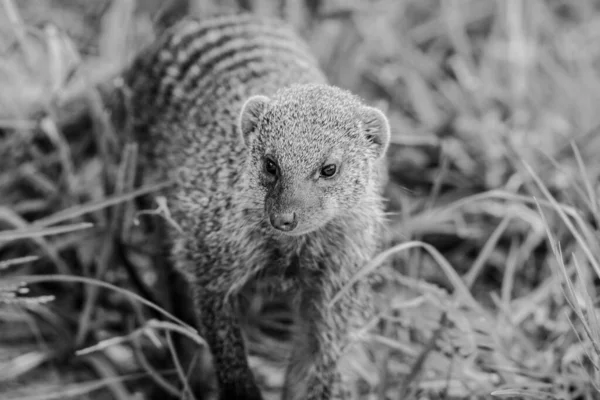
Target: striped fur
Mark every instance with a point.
(180, 71)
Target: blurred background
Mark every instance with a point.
(494, 260)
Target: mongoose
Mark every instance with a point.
(278, 179)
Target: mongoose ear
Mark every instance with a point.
(251, 112)
(377, 129)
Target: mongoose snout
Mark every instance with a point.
(284, 221)
(290, 203)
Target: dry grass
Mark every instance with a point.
(494, 210)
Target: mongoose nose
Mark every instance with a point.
(284, 222)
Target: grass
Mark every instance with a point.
(493, 249)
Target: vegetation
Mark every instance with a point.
(494, 251)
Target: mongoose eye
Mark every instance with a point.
(328, 171)
(270, 167)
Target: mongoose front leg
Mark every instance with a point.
(312, 372)
(221, 331)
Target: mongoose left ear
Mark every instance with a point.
(377, 129)
(250, 115)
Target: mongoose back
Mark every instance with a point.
(277, 186)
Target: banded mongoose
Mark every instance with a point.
(278, 179)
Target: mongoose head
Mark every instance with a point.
(313, 154)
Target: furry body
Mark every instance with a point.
(212, 100)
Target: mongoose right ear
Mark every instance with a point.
(251, 112)
(377, 129)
